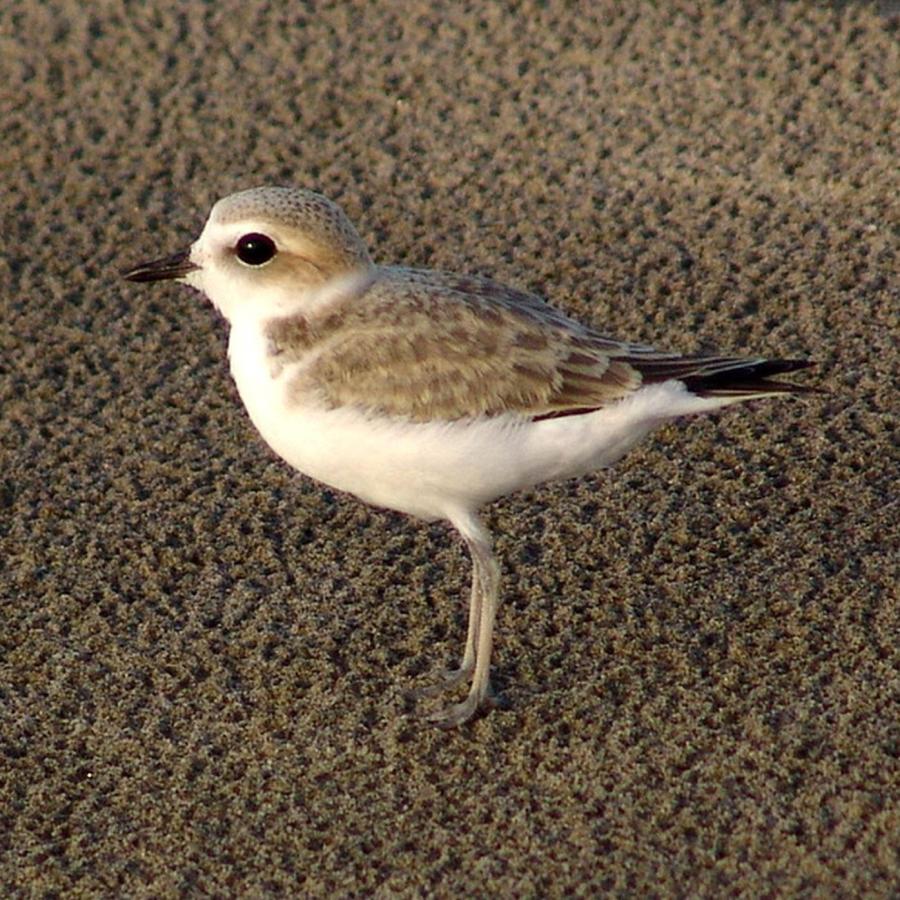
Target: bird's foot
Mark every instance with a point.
(451, 716)
(445, 681)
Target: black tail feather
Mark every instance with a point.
(738, 378)
(725, 376)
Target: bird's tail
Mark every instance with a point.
(730, 379)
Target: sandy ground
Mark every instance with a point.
(204, 655)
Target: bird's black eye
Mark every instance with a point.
(255, 249)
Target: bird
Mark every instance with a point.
(429, 392)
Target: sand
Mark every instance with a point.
(205, 656)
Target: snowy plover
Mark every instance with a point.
(428, 392)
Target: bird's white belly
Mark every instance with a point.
(438, 469)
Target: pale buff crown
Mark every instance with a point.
(297, 214)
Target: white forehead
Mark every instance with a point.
(217, 235)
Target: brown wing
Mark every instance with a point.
(427, 345)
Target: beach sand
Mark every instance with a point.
(205, 656)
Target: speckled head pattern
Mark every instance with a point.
(292, 212)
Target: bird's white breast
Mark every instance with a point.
(433, 470)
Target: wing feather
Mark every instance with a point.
(425, 346)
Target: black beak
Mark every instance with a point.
(167, 269)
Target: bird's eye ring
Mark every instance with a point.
(255, 249)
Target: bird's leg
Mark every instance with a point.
(486, 583)
(475, 605)
(449, 678)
